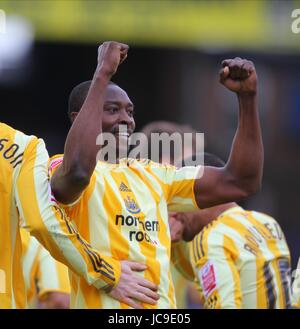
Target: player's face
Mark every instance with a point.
(118, 110)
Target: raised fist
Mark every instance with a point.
(239, 75)
(110, 55)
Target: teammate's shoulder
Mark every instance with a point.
(210, 238)
(7, 131)
(225, 220)
(261, 216)
(211, 231)
(4, 128)
(55, 161)
(234, 213)
(15, 146)
(56, 156)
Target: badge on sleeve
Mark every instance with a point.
(207, 277)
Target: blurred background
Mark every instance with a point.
(171, 74)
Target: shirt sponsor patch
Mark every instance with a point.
(207, 277)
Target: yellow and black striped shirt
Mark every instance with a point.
(296, 287)
(241, 260)
(25, 194)
(124, 213)
(42, 273)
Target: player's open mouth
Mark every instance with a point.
(122, 132)
(119, 134)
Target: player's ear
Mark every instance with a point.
(73, 116)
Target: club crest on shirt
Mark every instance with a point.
(131, 205)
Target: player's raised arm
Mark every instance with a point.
(79, 162)
(42, 217)
(242, 174)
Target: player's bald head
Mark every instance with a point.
(78, 96)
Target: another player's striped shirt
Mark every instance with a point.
(296, 287)
(241, 260)
(123, 212)
(180, 286)
(24, 192)
(180, 256)
(42, 273)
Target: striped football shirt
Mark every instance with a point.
(240, 260)
(42, 273)
(25, 199)
(124, 213)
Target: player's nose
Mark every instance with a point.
(125, 118)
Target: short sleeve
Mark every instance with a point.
(177, 185)
(181, 194)
(53, 165)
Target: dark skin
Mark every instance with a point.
(242, 174)
(240, 177)
(73, 176)
(117, 110)
(103, 110)
(186, 225)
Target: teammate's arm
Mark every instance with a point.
(192, 227)
(242, 174)
(80, 154)
(185, 225)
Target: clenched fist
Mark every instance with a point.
(239, 75)
(110, 55)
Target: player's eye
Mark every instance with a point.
(130, 112)
(112, 109)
